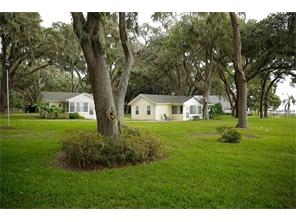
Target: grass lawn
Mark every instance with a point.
(199, 171)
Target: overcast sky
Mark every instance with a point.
(49, 17)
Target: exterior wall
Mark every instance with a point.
(81, 99)
(178, 117)
(162, 109)
(142, 104)
(186, 109)
(56, 104)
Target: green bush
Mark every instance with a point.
(86, 149)
(48, 112)
(75, 116)
(81, 148)
(64, 116)
(221, 129)
(229, 134)
(215, 111)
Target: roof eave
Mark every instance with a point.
(141, 95)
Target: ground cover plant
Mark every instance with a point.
(229, 134)
(198, 171)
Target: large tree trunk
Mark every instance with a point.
(90, 34)
(120, 92)
(265, 108)
(207, 84)
(230, 94)
(3, 85)
(240, 76)
(3, 93)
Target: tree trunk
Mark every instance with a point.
(263, 96)
(240, 76)
(90, 34)
(3, 99)
(3, 91)
(265, 91)
(3, 85)
(120, 92)
(205, 101)
(261, 107)
(207, 84)
(265, 108)
(230, 94)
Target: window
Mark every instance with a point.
(199, 110)
(91, 109)
(77, 107)
(193, 109)
(177, 109)
(148, 110)
(137, 110)
(85, 107)
(72, 107)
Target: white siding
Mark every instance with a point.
(178, 117)
(81, 99)
(186, 108)
(142, 104)
(56, 104)
(162, 109)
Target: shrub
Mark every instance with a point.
(221, 129)
(229, 134)
(64, 116)
(47, 112)
(86, 149)
(75, 116)
(215, 111)
(80, 148)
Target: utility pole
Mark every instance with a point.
(7, 64)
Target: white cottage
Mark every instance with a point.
(82, 103)
(161, 107)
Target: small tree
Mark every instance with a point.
(288, 103)
(215, 110)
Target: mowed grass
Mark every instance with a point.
(198, 171)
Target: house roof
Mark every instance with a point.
(58, 96)
(167, 99)
(163, 99)
(218, 99)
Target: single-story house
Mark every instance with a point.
(82, 103)
(161, 107)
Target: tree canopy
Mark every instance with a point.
(189, 54)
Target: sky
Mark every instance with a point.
(49, 17)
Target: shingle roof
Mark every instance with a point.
(166, 98)
(57, 96)
(218, 99)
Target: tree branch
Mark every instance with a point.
(78, 23)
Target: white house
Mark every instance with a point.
(82, 103)
(158, 107)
